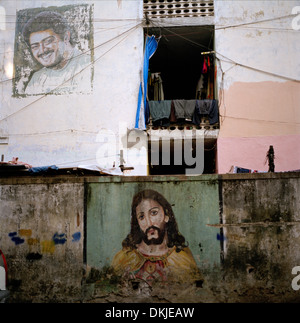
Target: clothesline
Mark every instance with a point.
(165, 112)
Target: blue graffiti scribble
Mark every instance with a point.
(221, 237)
(15, 239)
(59, 238)
(76, 236)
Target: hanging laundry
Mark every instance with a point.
(158, 87)
(199, 87)
(173, 118)
(213, 113)
(208, 95)
(160, 109)
(206, 108)
(211, 91)
(210, 84)
(184, 109)
(147, 113)
(204, 68)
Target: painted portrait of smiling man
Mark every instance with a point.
(57, 58)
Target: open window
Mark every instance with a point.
(180, 62)
(182, 68)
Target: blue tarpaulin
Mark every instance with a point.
(150, 48)
(41, 169)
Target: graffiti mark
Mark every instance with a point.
(221, 237)
(25, 233)
(34, 256)
(48, 246)
(59, 238)
(32, 241)
(17, 240)
(76, 236)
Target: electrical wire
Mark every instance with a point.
(54, 132)
(257, 22)
(210, 49)
(222, 103)
(83, 52)
(174, 33)
(264, 121)
(94, 61)
(95, 32)
(228, 59)
(158, 25)
(216, 27)
(94, 19)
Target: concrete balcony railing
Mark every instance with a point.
(204, 125)
(184, 131)
(204, 120)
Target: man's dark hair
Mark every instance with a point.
(135, 235)
(43, 21)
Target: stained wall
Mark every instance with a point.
(60, 234)
(65, 125)
(259, 95)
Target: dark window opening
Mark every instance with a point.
(180, 62)
(185, 64)
(170, 166)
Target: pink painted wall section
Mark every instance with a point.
(255, 115)
(251, 152)
(260, 109)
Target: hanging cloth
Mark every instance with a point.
(140, 119)
(204, 69)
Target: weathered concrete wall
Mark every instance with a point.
(251, 39)
(41, 235)
(59, 235)
(71, 128)
(261, 235)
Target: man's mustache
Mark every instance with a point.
(45, 53)
(152, 228)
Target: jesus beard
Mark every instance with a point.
(154, 241)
